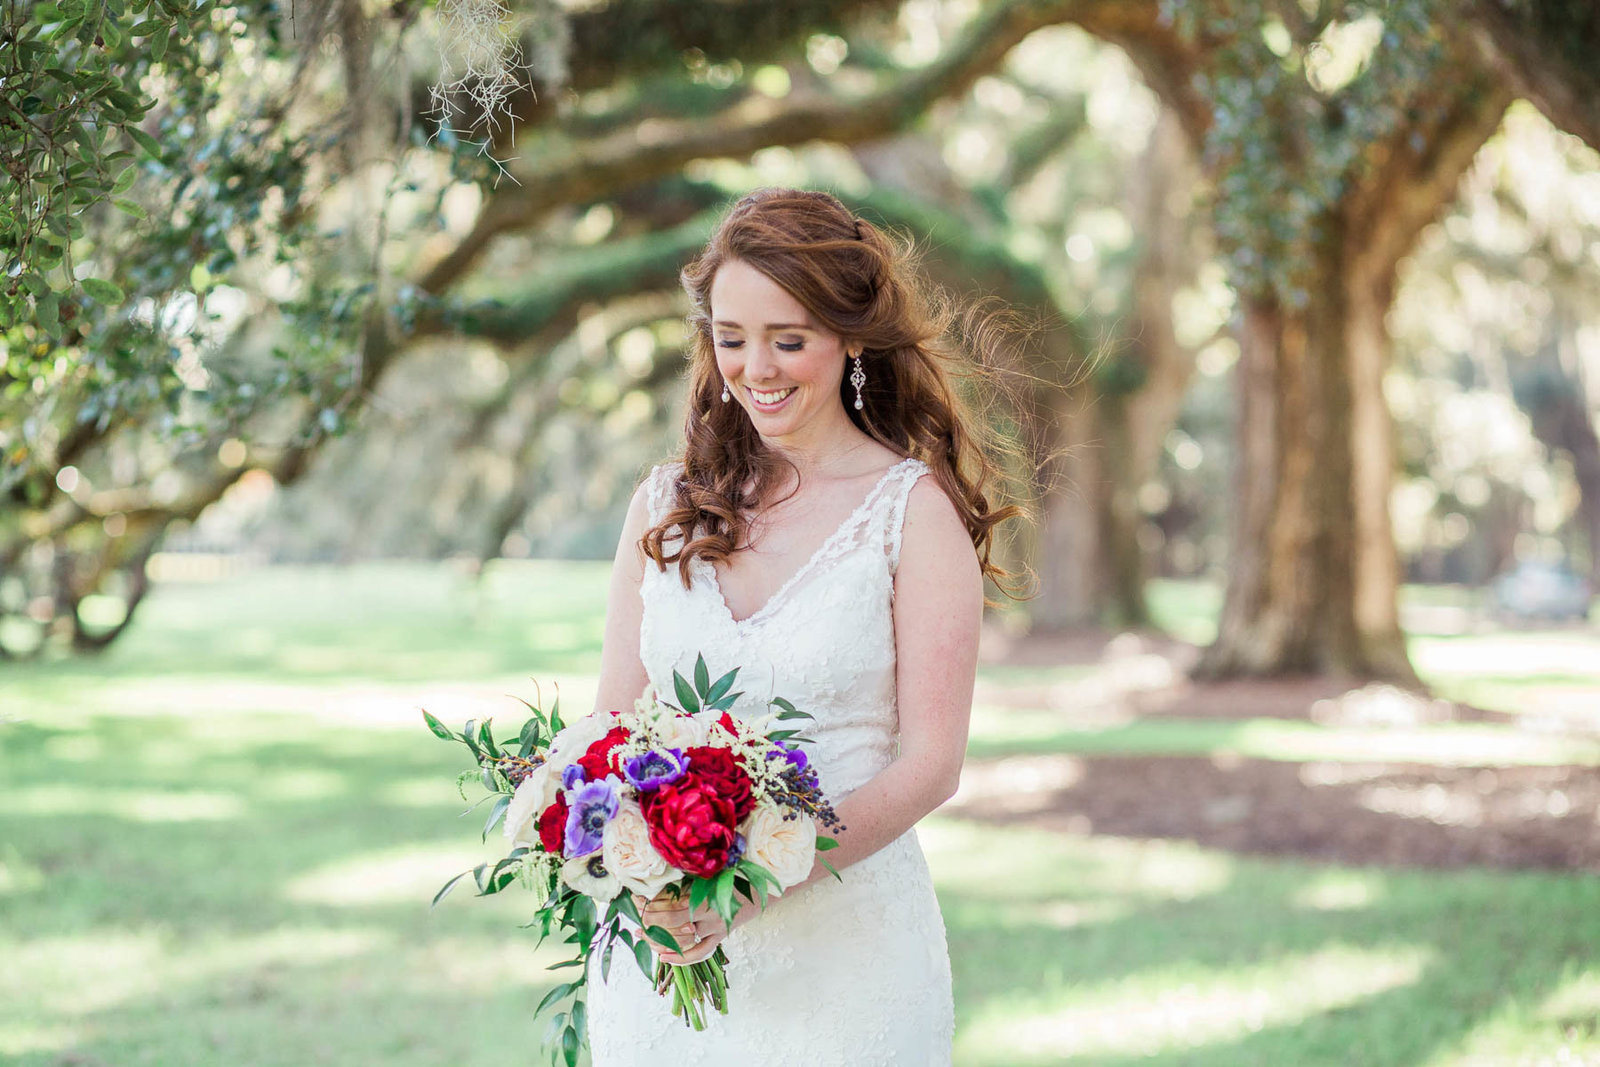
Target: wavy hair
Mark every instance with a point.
(860, 283)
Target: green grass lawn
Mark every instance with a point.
(217, 845)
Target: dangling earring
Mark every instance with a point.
(858, 378)
(726, 396)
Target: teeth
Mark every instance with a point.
(771, 398)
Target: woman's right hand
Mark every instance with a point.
(670, 911)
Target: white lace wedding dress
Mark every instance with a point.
(853, 972)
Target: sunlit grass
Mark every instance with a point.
(997, 732)
(217, 844)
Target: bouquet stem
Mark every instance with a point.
(692, 986)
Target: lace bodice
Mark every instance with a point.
(824, 641)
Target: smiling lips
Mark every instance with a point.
(770, 399)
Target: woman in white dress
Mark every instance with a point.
(823, 564)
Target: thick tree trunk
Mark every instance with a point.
(1313, 578)
(1068, 553)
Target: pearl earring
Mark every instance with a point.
(726, 396)
(858, 378)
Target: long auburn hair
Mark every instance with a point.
(860, 283)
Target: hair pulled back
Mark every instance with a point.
(858, 282)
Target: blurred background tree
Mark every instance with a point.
(349, 322)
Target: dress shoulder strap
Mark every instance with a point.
(660, 485)
(897, 493)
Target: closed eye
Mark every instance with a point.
(791, 346)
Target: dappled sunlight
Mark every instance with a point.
(425, 793)
(301, 785)
(19, 1038)
(1340, 890)
(1525, 654)
(135, 805)
(1179, 1007)
(485, 967)
(408, 875)
(101, 969)
(1018, 864)
(1455, 744)
(1562, 1030)
(1018, 784)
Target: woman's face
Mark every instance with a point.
(781, 364)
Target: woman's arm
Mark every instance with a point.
(938, 609)
(622, 673)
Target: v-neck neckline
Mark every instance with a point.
(848, 524)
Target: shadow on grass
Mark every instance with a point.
(229, 889)
(1280, 963)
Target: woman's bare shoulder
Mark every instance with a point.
(934, 538)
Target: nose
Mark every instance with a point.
(760, 365)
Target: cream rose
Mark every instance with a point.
(576, 737)
(629, 854)
(537, 792)
(679, 731)
(785, 847)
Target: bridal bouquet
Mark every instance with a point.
(676, 798)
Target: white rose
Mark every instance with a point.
(591, 876)
(575, 738)
(785, 847)
(681, 732)
(537, 792)
(630, 855)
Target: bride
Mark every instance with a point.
(798, 540)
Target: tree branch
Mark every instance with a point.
(654, 149)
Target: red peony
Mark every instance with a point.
(716, 770)
(691, 826)
(553, 825)
(600, 759)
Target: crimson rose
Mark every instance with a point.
(600, 759)
(553, 825)
(717, 770)
(690, 825)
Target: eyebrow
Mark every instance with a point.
(770, 325)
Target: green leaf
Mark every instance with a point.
(702, 676)
(158, 44)
(495, 813)
(48, 309)
(663, 937)
(825, 844)
(451, 884)
(699, 890)
(580, 1016)
(605, 960)
(103, 291)
(643, 957)
(720, 687)
(724, 896)
(554, 995)
(439, 729)
(569, 1045)
(146, 142)
(528, 739)
(565, 963)
(686, 697)
(486, 738)
(831, 868)
(627, 907)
